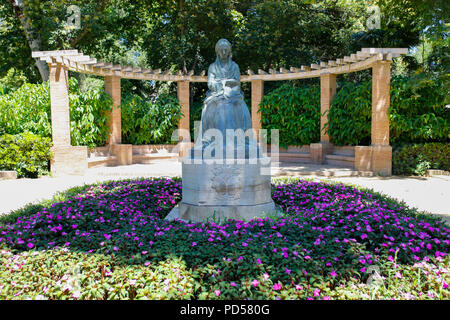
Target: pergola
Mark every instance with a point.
(68, 159)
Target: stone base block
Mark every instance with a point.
(189, 212)
(363, 158)
(69, 160)
(238, 189)
(123, 153)
(184, 149)
(7, 175)
(382, 160)
(319, 150)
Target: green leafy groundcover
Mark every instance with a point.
(109, 241)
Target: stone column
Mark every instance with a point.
(66, 159)
(59, 105)
(112, 87)
(184, 142)
(381, 150)
(257, 95)
(122, 152)
(327, 92)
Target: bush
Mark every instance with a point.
(349, 118)
(28, 109)
(149, 122)
(27, 154)
(295, 112)
(417, 158)
(417, 113)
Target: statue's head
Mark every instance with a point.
(223, 49)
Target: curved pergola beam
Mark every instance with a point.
(77, 62)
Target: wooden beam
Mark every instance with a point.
(331, 63)
(374, 51)
(315, 66)
(39, 54)
(305, 68)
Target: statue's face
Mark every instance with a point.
(224, 52)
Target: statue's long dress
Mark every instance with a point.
(220, 112)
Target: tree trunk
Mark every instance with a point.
(33, 38)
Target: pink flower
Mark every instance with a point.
(217, 292)
(326, 298)
(244, 244)
(233, 284)
(288, 271)
(255, 283)
(316, 292)
(265, 276)
(363, 236)
(333, 273)
(194, 244)
(276, 286)
(258, 261)
(307, 257)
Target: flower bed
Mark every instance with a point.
(109, 241)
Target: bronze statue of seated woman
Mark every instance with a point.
(224, 109)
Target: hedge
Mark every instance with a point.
(26, 153)
(415, 159)
(295, 111)
(149, 122)
(418, 112)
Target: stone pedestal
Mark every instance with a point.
(318, 151)
(68, 160)
(236, 189)
(123, 153)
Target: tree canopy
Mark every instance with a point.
(181, 34)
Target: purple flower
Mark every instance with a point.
(276, 286)
(255, 283)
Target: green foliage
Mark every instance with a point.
(295, 112)
(415, 159)
(349, 118)
(88, 115)
(418, 112)
(27, 154)
(28, 109)
(13, 80)
(149, 122)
